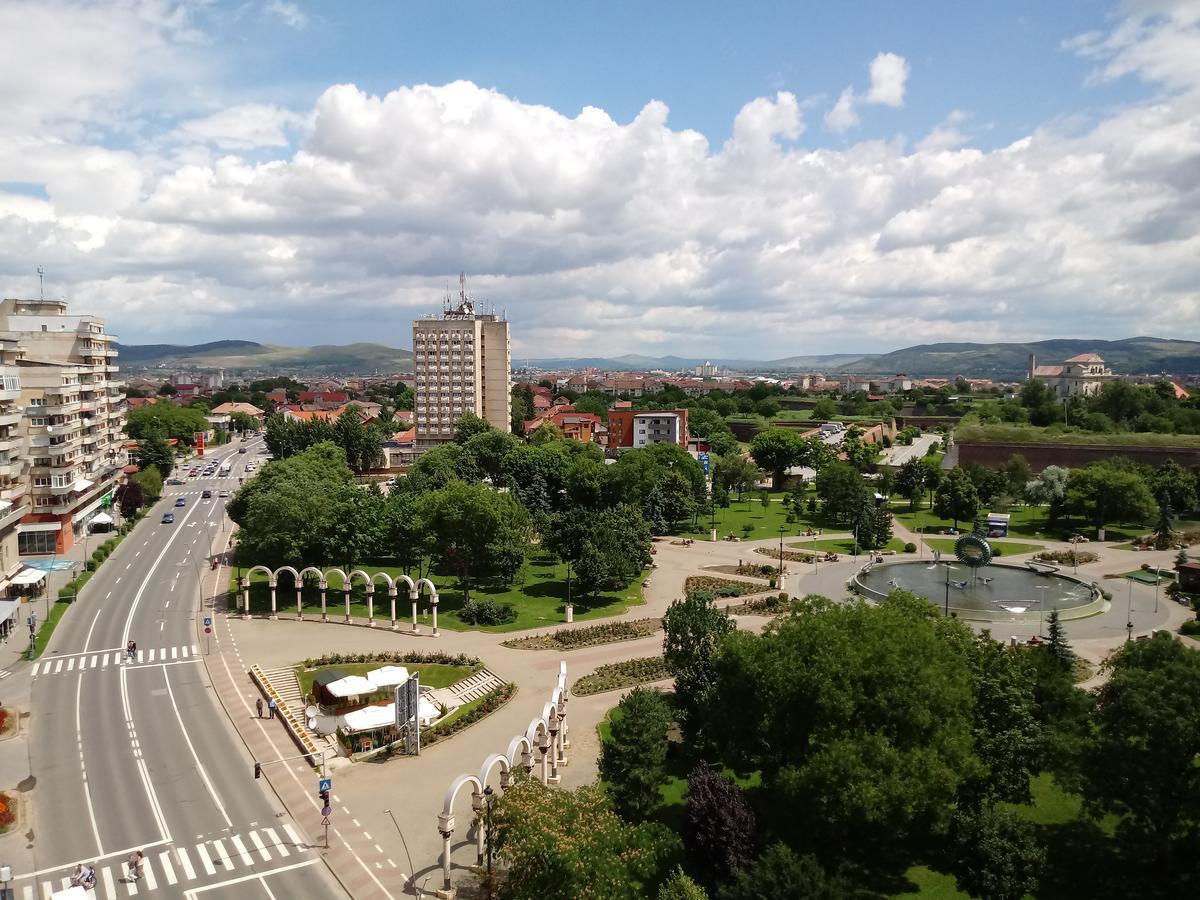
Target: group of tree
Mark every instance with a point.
(906, 738)
(1117, 407)
(362, 443)
(848, 500)
(167, 419)
(776, 450)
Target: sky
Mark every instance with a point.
(753, 180)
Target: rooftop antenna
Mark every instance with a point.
(41, 284)
(462, 287)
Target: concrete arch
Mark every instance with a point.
(295, 574)
(391, 588)
(370, 585)
(433, 602)
(538, 735)
(446, 817)
(496, 759)
(520, 743)
(245, 585)
(335, 570)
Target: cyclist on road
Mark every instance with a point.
(84, 877)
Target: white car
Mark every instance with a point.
(222, 493)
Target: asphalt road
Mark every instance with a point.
(136, 754)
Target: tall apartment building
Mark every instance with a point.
(463, 364)
(62, 433)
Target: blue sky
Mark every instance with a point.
(702, 179)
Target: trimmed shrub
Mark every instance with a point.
(910, 547)
(487, 612)
(1190, 627)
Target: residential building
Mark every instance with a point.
(576, 426)
(707, 370)
(640, 428)
(1080, 376)
(463, 364)
(249, 409)
(73, 420)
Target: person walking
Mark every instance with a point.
(258, 703)
(271, 707)
(135, 865)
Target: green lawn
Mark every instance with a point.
(1006, 548)
(1024, 521)
(539, 595)
(47, 626)
(432, 674)
(764, 519)
(840, 545)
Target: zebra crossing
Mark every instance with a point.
(181, 864)
(106, 659)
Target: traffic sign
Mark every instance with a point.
(325, 812)
(207, 621)
(324, 784)
(207, 629)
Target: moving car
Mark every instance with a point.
(223, 494)
(206, 495)
(181, 501)
(168, 518)
(175, 481)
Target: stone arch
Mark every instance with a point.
(485, 771)
(370, 585)
(245, 585)
(391, 588)
(522, 744)
(446, 817)
(538, 735)
(433, 602)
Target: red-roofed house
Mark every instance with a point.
(324, 399)
(1080, 376)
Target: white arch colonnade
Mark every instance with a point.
(415, 591)
(547, 734)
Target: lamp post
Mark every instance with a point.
(489, 797)
(781, 566)
(946, 611)
(1075, 552)
(1042, 609)
(417, 890)
(1129, 614)
(1157, 582)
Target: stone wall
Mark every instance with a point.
(996, 453)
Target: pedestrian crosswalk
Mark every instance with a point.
(111, 659)
(4, 673)
(163, 868)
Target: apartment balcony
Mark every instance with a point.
(10, 515)
(9, 417)
(57, 409)
(13, 492)
(117, 398)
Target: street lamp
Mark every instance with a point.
(1157, 582)
(781, 531)
(417, 890)
(1129, 614)
(489, 798)
(1042, 609)
(1075, 552)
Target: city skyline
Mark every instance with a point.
(292, 173)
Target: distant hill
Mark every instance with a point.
(1000, 361)
(239, 355)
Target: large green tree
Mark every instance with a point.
(474, 530)
(563, 845)
(842, 491)
(692, 630)
(776, 450)
(154, 452)
(956, 497)
(633, 760)
(1103, 492)
(719, 827)
(1141, 761)
(782, 874)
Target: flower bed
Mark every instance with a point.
(771, 605)
(574, 638)
(721, 587)
(628, 673)
(789, 555)
(468, 715)
(387, 656)
(8, 813)
(1067, 558)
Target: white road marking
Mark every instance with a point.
(36, 666)
(148, 874)
(241, 849)
(205, 860)
(262, 848)
(87, 790)
(256, 876)
(222, 856)
(279, 846)
(182, 855)
(93, 662)
(164, 860)
(58, 668)
(212, 791)
(88, 640)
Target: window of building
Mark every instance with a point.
(31, 542)
(37, 421)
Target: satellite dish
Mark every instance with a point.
(311, 711)
(312, 723)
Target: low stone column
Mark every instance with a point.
(346, 597)
(554, 751)
(299, 603)
(433, 601)
(414, 596)
(273, 610)
(446, 830)
(324, 612)
(371, 605)
(477, 806)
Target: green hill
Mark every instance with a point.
(240, 355)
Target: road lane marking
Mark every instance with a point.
(212, 791)
(182, 855)
(222, 856)
(262, 848)
(280, 846)
(205, 860)
(58, 668)
(87, 788)
(164, 860)
(71, 664)
(148, 874)
(36, 666)
(241, 849)
(174, 653)
(254, 876)
(88, 640)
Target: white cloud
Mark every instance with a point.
(601, 236)
(889, 74)
(288, 13)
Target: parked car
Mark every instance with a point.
(181, 501)
(206, 495)
(168, 518)
(241, 449)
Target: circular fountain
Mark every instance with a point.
(972, 587)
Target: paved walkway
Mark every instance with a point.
(368, 855)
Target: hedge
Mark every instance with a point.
(436, 657)
(574, 638)
(455, 723)
(628, 673)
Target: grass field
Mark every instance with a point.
(764, 520)
(1024, 522)
(839, 545)
(432, 674)
(1006, 548)
(539, 595)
